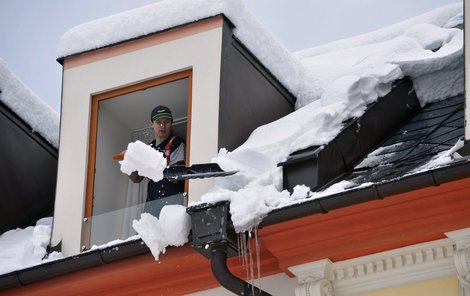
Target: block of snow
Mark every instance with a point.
(171, 229)
(142, 158)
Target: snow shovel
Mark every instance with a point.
(196, 171)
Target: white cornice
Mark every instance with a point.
(412, 264)
(462, 258)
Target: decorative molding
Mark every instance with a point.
(412, 264)
(319, 287)
(313, 278)
(462, 257)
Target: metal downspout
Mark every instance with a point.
(214, 237)
(227, 279)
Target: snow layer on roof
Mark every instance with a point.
(415, 47)
(361, 70)
(352, 73)
(28, 106)
(171, 13)
(23, 248)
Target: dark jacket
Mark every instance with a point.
(165, 187)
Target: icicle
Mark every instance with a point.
(247, 249)
(252, 276)
(239, 248)
(258, 258)
(245, 254)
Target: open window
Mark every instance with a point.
(119, 117)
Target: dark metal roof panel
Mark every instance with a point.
(28, 175)
(434, 129)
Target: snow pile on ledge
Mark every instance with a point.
(28, 106)
(171, 13)
(142, 158)
(22, 248)
(171, 229)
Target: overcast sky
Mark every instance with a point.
(30, 29)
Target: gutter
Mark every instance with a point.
(70, 264)
(322, 205)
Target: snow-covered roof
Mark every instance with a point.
(28, 106)
(332, 83)
(23, 248)
(171, 13)
(352, 74)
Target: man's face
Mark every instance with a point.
(162, 127)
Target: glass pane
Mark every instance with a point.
(117, 224)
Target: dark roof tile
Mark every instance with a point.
(433, 129)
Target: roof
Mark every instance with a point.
(30, 131)
(41, 118)
(430, 134)
(435, 56)
(353, 74)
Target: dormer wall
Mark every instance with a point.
(229, 94)
(250, 95)
(196, 47)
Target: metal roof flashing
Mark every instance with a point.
(318, 167)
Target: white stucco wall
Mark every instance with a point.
(200, 52)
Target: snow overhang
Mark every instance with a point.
(166, 15)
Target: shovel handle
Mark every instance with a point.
(119, 156)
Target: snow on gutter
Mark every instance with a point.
(455, 171)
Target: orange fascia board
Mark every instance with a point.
(143, 42)
(401, 220)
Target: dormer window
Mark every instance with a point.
(119, 117)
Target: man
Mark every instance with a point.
(172, 147)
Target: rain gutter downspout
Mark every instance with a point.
(214, 237)
(227, 279)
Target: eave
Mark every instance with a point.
(394, 219)
(408, 216)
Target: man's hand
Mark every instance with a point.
(135, 177)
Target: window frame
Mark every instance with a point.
(93, 133)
